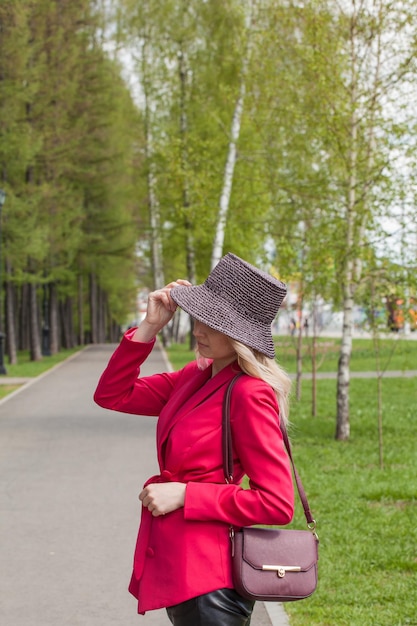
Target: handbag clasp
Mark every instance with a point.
(281, 569)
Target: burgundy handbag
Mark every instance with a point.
(271, 564)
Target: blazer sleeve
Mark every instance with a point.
(260, 451)
(119, 387)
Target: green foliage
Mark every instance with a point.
(68, 156)
(365, 516)
(323, 129)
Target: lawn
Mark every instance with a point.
(366, 516)
(395, 353)
(6, 389)
(26, 368)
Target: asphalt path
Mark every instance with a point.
(70, 474)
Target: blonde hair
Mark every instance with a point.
(258, 365)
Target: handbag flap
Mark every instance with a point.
(290, 548)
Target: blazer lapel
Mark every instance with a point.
(195, 391)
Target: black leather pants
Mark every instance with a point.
(224, 607)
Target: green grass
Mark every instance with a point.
(26, 368)
(179, 354)
(6, 389)
(395, 353)
(366, 516)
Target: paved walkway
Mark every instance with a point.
(70, 473)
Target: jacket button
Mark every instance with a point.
(166, 476)
(150, 552)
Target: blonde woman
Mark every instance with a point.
(183, 555)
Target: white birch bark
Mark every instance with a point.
(188, 224)
(355, 232)
(153, 204)
(343, 372)
(218, 242)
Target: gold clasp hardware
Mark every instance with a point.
(281, 569)
(312, 527)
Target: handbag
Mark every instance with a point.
(271, 564)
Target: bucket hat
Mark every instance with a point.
(236, 299)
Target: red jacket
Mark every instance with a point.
(187, 552)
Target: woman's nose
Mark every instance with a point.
(197, 328)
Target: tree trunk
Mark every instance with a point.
(189, 231)
(356, 221)
(299, 350)
(80, 311)
(54, 338)
(11, 344)
(46, 321)
(115, 332)
(66, 315)
(343, 371)
(314, 362)
(23, 330)
(93, 308)
(101, 316)
(65, 332)
(35, 340)
(218, 243)
(153, 204)
(69, 307)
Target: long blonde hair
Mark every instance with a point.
(258, 365)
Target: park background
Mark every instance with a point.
(140, 141)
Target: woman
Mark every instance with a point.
(183, 554)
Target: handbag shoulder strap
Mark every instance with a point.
(228, 452)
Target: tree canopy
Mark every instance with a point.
(138, 140)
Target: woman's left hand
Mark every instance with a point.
(162, 498)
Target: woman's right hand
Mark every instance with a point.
(160, 310)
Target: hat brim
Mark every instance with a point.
(210, 309)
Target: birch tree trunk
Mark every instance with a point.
(153, 205)
(190, 245)
(356, 221)
(217, 250)
(343, 370)
(188, 225)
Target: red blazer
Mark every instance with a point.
(187, 552)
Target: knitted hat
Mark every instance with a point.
(236, 299)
